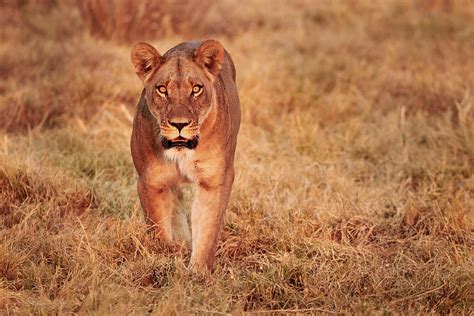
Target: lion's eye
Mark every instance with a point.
(197, 90)
(162, 90)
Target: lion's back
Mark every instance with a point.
(229, 90)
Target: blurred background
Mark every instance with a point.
(52, 44)
(354, 164)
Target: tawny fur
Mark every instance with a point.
(215, 120)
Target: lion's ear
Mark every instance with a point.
(145, 58)
(210, 56)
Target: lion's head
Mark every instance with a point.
(179, 88)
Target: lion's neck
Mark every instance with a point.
(216, 116)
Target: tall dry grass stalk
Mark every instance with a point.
(131, 19)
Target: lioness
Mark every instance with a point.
(185, 130)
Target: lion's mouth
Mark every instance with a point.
(179, 142)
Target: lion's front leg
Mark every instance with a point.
(206, 218)
(158, 203)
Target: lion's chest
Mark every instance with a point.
(184, 160)
(194, 167)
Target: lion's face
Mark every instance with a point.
(179, 96)
(180, 90)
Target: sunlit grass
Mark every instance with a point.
(354, 168)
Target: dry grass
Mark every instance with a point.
(354, 164)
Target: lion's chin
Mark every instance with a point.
(179, 142)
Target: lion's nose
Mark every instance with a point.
(179, 125)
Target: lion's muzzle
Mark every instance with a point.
(179, 142)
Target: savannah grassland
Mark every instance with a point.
(354, 166)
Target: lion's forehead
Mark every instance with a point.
(179, 70)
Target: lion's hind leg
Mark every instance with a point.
(180, 220)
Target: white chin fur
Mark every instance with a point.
(177, 154)
(183, 157)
